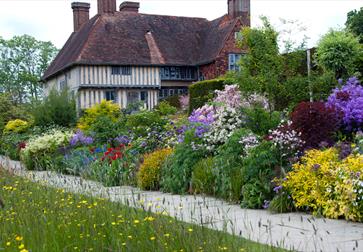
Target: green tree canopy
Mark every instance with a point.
(23, 60)
(339, 51)
(355, 23)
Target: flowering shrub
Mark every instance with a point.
(316, 123)
(16, 126)
(79, 138)
(286, 139)
(39, 150)
(348, 100)
(248, 142)
(327, 185)
(117, 166)
(105, 108)
(149, 174)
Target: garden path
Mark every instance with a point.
(294, 231)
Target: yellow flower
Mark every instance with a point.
(8, 244)
(24, 250)
(190, 230)
(21, 246)
(136, 221)
(19, 238)
(152, 238)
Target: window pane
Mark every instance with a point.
(115, 70)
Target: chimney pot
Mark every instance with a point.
(130, 6)
(80, 14)
(240, 9)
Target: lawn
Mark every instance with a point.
(37, 218)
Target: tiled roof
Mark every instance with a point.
(128, 38)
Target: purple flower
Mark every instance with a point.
(348, 101)
(266, 204)
(203, 115)
(123, 140)
(277, 189)
(80, 139)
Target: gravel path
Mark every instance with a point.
(295, 231)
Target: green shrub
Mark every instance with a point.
(140, 122)
(255, 192)
(173, 101)
(178, 168)
(149, 173)
(203, 91)
(228, 167)
(105, 130)
(261, 121)
(103, 109)
(164, 109)
(281, 203)
(203, 179)
(58, 108)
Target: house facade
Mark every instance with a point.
(126, 56)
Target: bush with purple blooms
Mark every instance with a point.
(348, 100)
(80, 139)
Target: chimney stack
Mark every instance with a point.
(130, 6)
(106, 6)
(240, 8)
(80, 14)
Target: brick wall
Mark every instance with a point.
(220, 65)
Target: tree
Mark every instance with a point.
(339, 51)
(23, 61)
(355, 23)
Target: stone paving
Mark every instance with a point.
(293, 231)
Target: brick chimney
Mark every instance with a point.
(240, 8)
(130, 6)
(80, 14)
(106, 6)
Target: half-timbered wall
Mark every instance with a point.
(102, 76)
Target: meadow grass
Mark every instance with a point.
(38, 218)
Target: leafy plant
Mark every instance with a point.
(58, 108)
(164, 109)
(203, 179)
(140, 123)
(261, 121)
(178, 168)
(149, 173)
(255, 193)
(16, 126)
(316, 123)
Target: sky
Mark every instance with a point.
(52, 20)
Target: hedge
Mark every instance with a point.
(203, 91)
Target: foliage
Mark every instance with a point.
(316, 123)
(281, 203)
(40, 151)
(103, 109)
(11, 111)
(58, 108)
(164, 109)
(262, 164)
(184, 101)
(49, 219)
(262, 66)
(203, 179)
(339, 51)
(260, 121)
(327, 185)
(150, 170)
(358, 143)
(202, 92)
(23, 61)
(228, 164)
(16, 126)
(355, 23)
(106, 129)
(140, 123)
(116, 167)
(348, 100)
(178, 168)
(173, 101)
(255, 193)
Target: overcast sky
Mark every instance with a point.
(51, 20)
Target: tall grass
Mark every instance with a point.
(37, 218)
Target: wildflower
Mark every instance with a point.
(18, 238)
(8, 244)
(152, 238)
(190, 230)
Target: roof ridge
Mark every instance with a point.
(164, 15)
